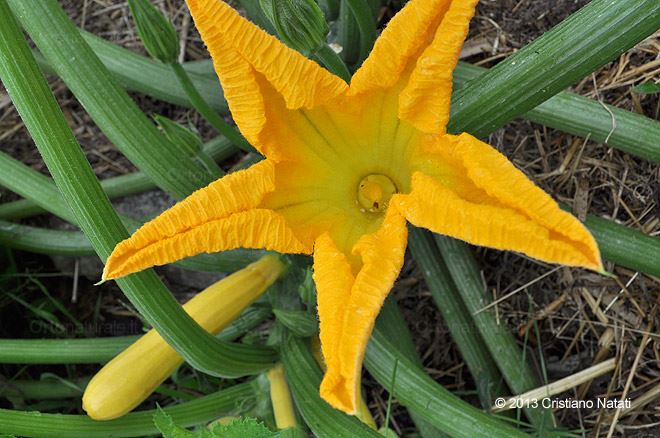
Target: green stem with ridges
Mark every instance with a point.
(393, 326)
(94, 214)
(503, 348)
(230, 401)
(101, 350)
(114, 112)
(472, 347)
(199, 103)
(568, 112)
(624, 130)
(415, 390)
(45, 389)
(219, 149)
(585, 41)
(304, 378)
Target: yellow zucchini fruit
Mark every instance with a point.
(280, 397)
(129, 378)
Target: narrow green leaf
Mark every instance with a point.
(366, 23)
(348, 34)
(330, 8)
(647, 88)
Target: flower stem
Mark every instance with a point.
(207, 112)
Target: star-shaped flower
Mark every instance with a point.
(346, 166)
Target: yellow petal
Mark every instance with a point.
(425, 100)
(248, 60)
(475, 194)
(219, 217)
(402, 41)
(348, 304)
(129, 378)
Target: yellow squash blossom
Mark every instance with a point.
(346, 166)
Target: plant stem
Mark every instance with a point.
(115, 113)
(472, 347)
(207, 112)
(101, 350)
(503, 348)
(585, 41)
(304, 377)
(230, 401)
(219, 149)
(418, 392)
(624, 130)
(45, 389)
(91, 208)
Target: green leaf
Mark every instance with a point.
(647, 88)
(156, 31)
(361, 11)
(166, 426)
(242, 428)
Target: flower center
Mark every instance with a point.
(374, 192)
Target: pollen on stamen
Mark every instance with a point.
(374, 193)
